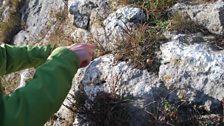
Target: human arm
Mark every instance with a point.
(33, 104)
(14, 58)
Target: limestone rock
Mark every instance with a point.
(4, 13)
(84, 11)
(118, 25)
(197, 68)
(210, 15)
(81, 35)
(38, 17)
(190, 69)
(103, 75)
(108, 29)
(65, 116)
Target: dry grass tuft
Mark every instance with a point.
(105, 110)
(163, 112)
(155, 9)
(58, 36)
(182, 23)
(140, 46)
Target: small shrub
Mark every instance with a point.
(164, 112)
(58, 36)
(219, 42)
(104, 110)
(182, 114)
(155, 9)
(107, 109)
(182, 23)
(139, 48)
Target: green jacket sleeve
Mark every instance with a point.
(18, 58)
(33, 104)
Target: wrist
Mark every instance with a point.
(64, 53)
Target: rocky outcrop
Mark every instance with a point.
(191, 69)
(195, 70)
(210, 16)
(191, 72)
(39, 19)
(107, 29)
(104, 75)
(117, 25)
(86, 11)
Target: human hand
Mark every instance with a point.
(85, 53)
